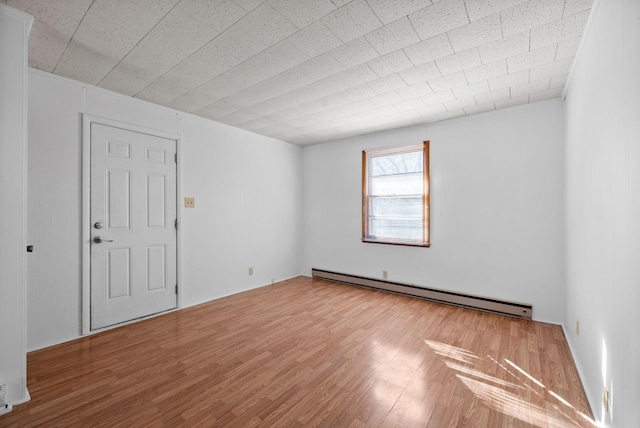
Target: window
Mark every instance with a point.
(395, 195)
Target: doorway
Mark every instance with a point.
(130, 224)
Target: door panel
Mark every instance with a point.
(118, 279)
(133, 205)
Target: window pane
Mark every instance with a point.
(409, 229)
(405, 184)
(395, 195)
(396, 207)
(397, 164)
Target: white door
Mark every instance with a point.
(133, 233)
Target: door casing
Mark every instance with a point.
(87, 120)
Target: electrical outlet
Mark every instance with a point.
(605, 398)
(578, 327)
(385, 274)
(189, 202)
(250, 271)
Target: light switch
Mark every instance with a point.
(189, 202)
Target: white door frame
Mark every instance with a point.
(87, 120)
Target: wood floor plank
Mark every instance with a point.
(307, 352)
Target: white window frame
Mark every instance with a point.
(367, 156)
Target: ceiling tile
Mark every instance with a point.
(431, 109)
(568, 48)
(508, 80)
(531, 14)
(352, 20)
(481, 108)
(309, 71)
(424, 118)
(289, 81)
(549, 70)
(303, 12)
(558, 81)
(536, 57)
(107, 32)
(451, 114)
(359, 93)
(258, 123)
(527, 88)
(218, 56)
(266, 25)
(238, 117)
(480, 8)
(439, 18)
(572, 7)
(248, 5)
(53, 26)
(486, 71)
(268, 63)
(460, 103)
(472, 89)
(411, 104)
(476, 33)
(512, 102)
(383, 111)
(490, 97)
(439, 97)
(355, 52)
(358, 75)
(417, 90)
(390, 63)
(566, 28)
(386, 98)
(459, 61)
(217, 109)
(429, 50)
(314, 40)
(194, 100)
(509, 46)
(308, 94)
(388, 83)
(188, 27)
(545, 95)
(388, 11)
(449, 81)
(393, 36)
(421, 73)
(340, 3)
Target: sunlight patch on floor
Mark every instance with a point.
(509, 397)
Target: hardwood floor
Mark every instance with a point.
(307, 352)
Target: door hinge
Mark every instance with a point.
(175, 157)
(176, 288)
(176, 223)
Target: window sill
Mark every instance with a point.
(400, 243)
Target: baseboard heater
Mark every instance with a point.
(512, 309)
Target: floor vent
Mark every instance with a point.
(512, 309)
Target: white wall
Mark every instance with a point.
(603, 210)
(496, 208)
(14, 33)
(247, 190)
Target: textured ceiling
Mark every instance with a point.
(310, 71)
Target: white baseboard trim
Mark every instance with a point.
(7, 408)
(592, 404)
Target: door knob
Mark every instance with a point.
(100, 240)
(98, 225)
